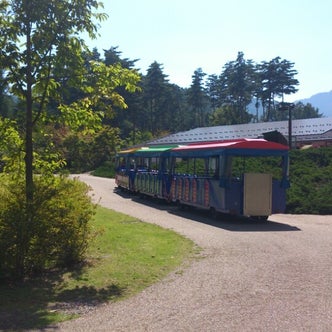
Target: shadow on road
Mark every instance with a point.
(235, 223)
(224, 221)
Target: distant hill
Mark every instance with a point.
(322, 101)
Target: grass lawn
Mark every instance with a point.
(125, 256)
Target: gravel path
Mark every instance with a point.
(274, 276)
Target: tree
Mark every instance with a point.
(35, 34)
(277, 79)
(214, 91)
(154, 97)
(40, 52)
(113, 56)
(305, 111)
(179, 116)
(223, 116)
(234, 88)
(127, 121)
(239, 77)
(197, 98)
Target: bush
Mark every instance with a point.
(56, 236)
(87, 152)
(106, 170)
(311, 181)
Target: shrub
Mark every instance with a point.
(87, 152)
(311, 181)
(57, 235)
(106, 170)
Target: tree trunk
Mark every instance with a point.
(26, 223)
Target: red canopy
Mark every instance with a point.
(243, 143)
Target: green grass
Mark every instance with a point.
(125, 256)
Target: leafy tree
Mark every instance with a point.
(129, 120)
(305, 111)
(3, 97)
(300, 111)
(87, 152)
(234, 88)
(40, 52)
(277, 79)
(11, 146)
(113, 56)
(223, 116)
(239, 77)
(35, 35)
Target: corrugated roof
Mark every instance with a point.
(303, 128)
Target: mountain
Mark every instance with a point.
(322, 101)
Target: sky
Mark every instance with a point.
(184, 35)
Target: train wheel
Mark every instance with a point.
(260, 218)
(213, 213)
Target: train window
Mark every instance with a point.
(185, 166)
(201, 167)
(153, 164)
(213, 167)
(269, 165)
(166, 165)
(121, 164)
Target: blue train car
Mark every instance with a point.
(245, 177)
(125, 170)
(145, 170)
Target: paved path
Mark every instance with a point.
(274, 276)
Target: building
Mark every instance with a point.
(315, 132)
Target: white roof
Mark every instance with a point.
(303, 128)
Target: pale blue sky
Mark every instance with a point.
(184, 35)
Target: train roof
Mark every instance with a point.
(127, 152)
(153, 151)
(242, 146)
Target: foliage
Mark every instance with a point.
(305, 111)
(46, 157)
(58, 234)
(154, 99)
(85, 114)
(34, 37)
(105, 170)
(197, 99)
(227, 115)
(136, 136)
(270, 165)
(11, 146)
(276, 79)
(43, 66)
(159, 107)
(311, 181)
(87, 152)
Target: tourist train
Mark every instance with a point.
(247, 177)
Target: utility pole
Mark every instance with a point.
(283, 106)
